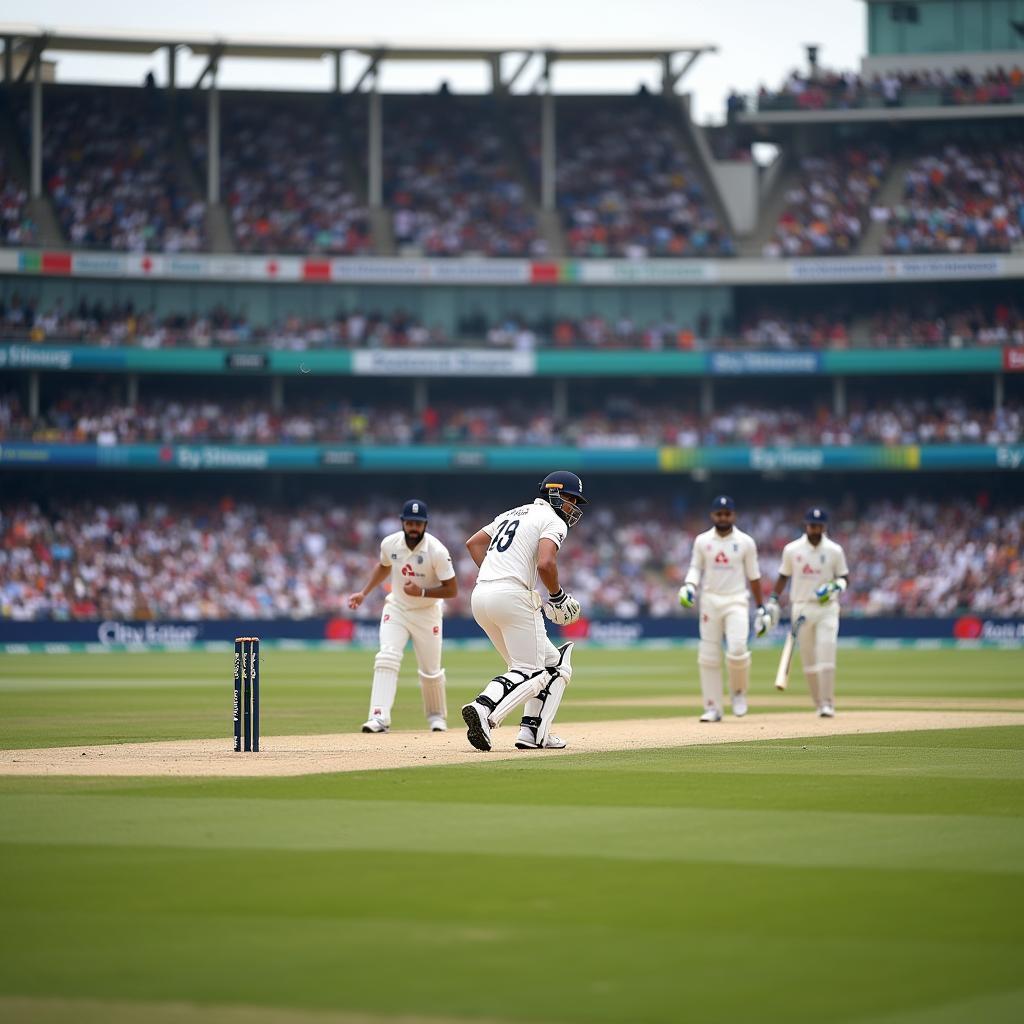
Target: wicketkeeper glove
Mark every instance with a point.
(762, 620)
(773, 610)
(561, 608)
(687, 595)
(826, 590)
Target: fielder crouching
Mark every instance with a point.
(817, 566)
(511, 552)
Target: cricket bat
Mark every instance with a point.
(782, 675)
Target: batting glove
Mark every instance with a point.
(562, 609)
(826, 590)
(762, 620)
(687, 595)
(773, 610)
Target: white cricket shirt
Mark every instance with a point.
(723, 565)
(427, 565)
(808, 566)
(515, 536)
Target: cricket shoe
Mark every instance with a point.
(437, 724)
(711, 715)
(739, 704)
(527, 740)
(478, 728)
(826, 711)
(374, 725)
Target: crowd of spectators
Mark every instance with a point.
(116, 325)
(449, 182)
(844, 90)
(284, 176)
(110, 170)
(193, 560)
(16, 224)
(827, 209)
(999, 322)
(961, 199)
(619, 422)
(627, 187)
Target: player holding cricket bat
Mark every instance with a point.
(817, 566)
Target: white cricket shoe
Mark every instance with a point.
(826, 711)
(374, 725)
(711, 715)
(527, 740)
(478, 728)
(739, 704)
(437, 724)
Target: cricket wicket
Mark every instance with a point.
(246, 703)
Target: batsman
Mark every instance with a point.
(817, 566)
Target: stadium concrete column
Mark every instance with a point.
(33, 394)
(998, 392)
(277, 394)
(213, 141)
(131, 387)
(560, 399)
(36, 158)
(8, 60)
(337, 70)
(172, 68)
(375, 158)
(839, 396)
(547, 141)
(707, 397)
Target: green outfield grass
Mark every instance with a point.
(874, 878)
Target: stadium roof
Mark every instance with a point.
(278, 47)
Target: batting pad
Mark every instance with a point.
(503, 693)
(540, 711)
(433, 688)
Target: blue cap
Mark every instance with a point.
(723, 501)
(415, 511)
(816, 515)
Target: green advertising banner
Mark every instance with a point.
(326, 458)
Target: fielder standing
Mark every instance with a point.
(512, 551)
(817, 566)
(422, 575)
(723, 563)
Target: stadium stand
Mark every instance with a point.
(285, 174)
(627, 187)
(111, 173)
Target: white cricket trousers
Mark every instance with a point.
(398, 626)
(723, 616)
(818, 639)
(423, 626)
(510, 616)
